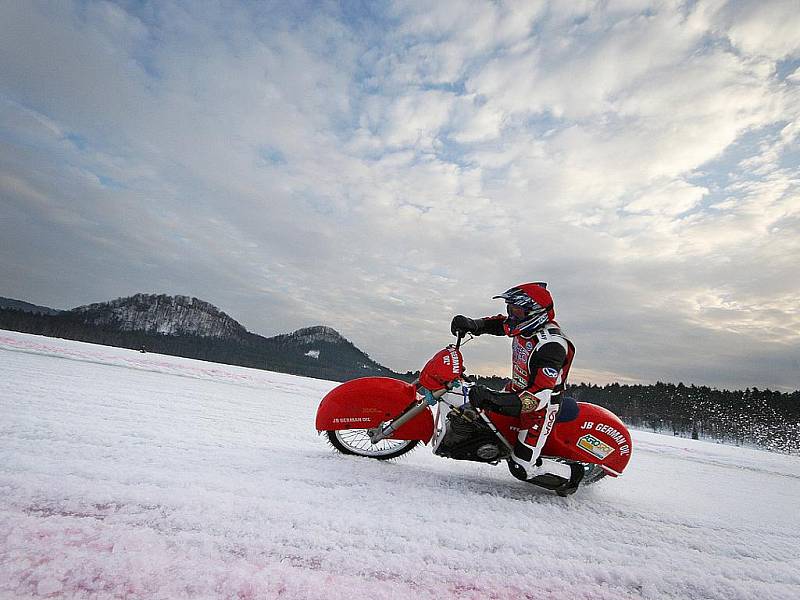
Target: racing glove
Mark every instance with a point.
(463, 325)
(504, 403)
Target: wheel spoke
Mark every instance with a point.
(359, 442)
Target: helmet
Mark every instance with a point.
(529, 306)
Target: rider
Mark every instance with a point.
(541, 359)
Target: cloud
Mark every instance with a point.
(379, 168)
(671, 199)
(762, 30)
(414, 119)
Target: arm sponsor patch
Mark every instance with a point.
(529, 402)
(550, 372)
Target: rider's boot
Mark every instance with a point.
(571, 486)
(542, 466)
(559, 477)
(526, 462)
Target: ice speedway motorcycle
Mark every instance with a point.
(383, 418)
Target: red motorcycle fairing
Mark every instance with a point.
(596, 436)
(446, 366)
(369, 401)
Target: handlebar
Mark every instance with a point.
(460, 338)
(463, 339)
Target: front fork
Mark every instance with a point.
(384, 431)
(429, 398)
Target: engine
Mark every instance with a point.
(468, 438)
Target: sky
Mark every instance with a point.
(379, 167)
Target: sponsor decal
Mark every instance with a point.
(520, 354)
(595, 447)
(551, 419)
(529, 346)
(550, 372)
(619, 438)
(352, 420)
(519, 377)
(529, 402)
(453, 361)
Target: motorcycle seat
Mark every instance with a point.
(568, 410)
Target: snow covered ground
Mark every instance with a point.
(128, 475)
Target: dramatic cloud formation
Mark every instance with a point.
(379, 167)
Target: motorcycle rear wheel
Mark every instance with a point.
(593, 474)
(356, 441)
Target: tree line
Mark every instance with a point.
(765, 418)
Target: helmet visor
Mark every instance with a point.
(516, 313)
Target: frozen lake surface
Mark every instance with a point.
(128, 475)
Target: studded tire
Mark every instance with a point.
(357, 442)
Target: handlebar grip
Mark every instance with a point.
(458, 341)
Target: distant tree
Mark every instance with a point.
(766, 418)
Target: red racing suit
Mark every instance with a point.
(540, 365)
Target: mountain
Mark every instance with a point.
(27, 307)
(162, 314)
(323, 348)
(194, 328)
(312, 335)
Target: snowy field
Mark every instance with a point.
(128, 475)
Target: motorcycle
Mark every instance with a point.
(384, 418)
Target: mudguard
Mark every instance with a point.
(369, 401)
(595, 436)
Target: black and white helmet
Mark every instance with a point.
(530, 307)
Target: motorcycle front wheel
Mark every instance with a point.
(356, 441)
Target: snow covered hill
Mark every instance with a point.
(127, 475)
(167, 315)
(193, 328)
